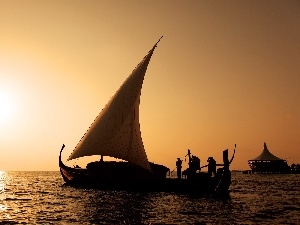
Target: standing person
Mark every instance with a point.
(189, 154)
(190, 158)
(179, 166)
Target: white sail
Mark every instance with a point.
(116, 130)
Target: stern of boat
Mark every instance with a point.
(224, 179)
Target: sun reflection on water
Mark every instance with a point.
(2, 181)
(3, 208)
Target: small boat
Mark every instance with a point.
(116, 133)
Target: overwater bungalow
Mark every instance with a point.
(266, 162)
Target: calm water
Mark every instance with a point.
(41, 198)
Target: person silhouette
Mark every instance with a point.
(212, 166)
(179, 166)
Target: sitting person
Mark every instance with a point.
(196, 163)
(212, 166)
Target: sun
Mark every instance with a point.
(6, 107)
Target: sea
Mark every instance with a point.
(42, 198)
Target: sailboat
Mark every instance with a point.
(116, 133)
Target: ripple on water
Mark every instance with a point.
(41, 197)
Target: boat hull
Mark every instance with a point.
(199, 183)
(128, 176)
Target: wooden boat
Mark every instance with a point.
(116, 132)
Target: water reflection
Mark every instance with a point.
(109, 207)
(2, 181)
(41, 198)
(3, 205)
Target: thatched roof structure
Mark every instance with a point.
(266, 155)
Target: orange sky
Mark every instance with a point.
(225, 73)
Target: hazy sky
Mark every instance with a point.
(225, 73)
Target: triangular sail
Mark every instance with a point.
(116, 130)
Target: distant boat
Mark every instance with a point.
(116, 133)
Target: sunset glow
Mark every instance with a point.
(7, 107)
(224, 73)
